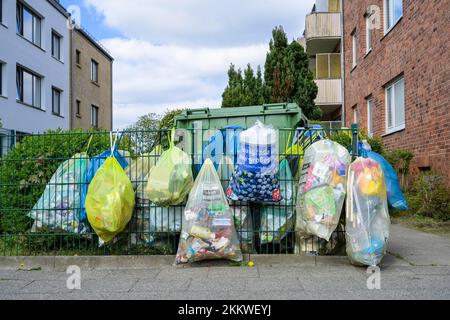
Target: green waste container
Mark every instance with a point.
(280, 116)
(283, 116)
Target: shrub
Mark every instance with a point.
(430, 196)
(401, 161)
(26, 169)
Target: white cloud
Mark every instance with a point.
(177, 53)
(199, 22)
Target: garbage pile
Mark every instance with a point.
(367, 219)
(208, 230)
(250, 191)
(322, 188)
(255, 178)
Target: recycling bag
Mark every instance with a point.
(58, 209)
(255, 178)
(322, 188)
(394, 192)
(95, 163)
(367, 219)
(110, 200)
(171, 179)
(208, 230)
(276, 219)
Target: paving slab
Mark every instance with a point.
(419, 248)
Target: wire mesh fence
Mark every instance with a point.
(43, 177)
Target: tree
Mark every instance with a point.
(287, 78)
(287, 75)
(144, 133)
(167, 121)
(244, 90)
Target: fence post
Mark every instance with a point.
(355, 140)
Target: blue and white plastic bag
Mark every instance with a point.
(255, 178)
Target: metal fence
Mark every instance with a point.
(26, 170)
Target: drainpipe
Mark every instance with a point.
(71, 106)
(342, 64)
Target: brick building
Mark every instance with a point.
(396, 75)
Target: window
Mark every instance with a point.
(354, 49)
(94, 116)
(393, 11)
(94, 71)
(1, 78)
(355, 114)
(28, 87)
(368, 34)
(28, 24)
(78, 108)
(56, 45)
(369, 117)
(395, 106)
(78, 57)
(328, 66)
(1, 11)
(56, 101)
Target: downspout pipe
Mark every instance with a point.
(342, 65)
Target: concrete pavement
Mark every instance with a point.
(419, 267)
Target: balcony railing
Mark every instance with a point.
(329, 92)
(322, 25)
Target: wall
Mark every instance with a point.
(85, 90)
(14, 49)
(418, 48)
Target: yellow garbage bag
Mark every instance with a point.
(110, 200)
(171, 179)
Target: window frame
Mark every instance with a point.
(387, 15)
(354, 49)
(94, 63)
(78, 108)
(21, 7)
(77, 57)
(1, 78)
(36, 93)
(370, 116)
(59, 37)
(391, 104)
(94, 125)
(59, 92)
(369, 35)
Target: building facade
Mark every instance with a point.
(396, 73)
(322, 42)
(92, 84)
(34, 66)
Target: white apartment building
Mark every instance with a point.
(34, 66)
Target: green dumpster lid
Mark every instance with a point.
(266, 109)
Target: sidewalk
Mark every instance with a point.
(418, 267)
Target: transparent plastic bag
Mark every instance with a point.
(244, 225)
(208, 230)
(255, 178)
(152, 223)
(322, 189)
(139, 170)
(367, 219)
(171, 179)
(58, 209)
(110, 200)
(277, 219)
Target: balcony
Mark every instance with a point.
(329, 95)
(322, 32)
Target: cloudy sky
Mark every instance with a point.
(170, 54)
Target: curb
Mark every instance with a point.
(60, 264)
